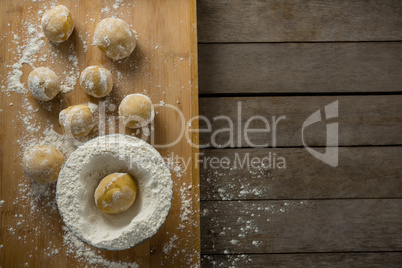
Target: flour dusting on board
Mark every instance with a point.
(83, 252)
(27, 54)
(28, 49)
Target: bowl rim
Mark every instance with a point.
(105, 248)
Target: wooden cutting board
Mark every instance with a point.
(163, 66)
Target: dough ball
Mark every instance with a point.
(116, 193)
(57, 24)
(115, 38)
(76, 121)
(43, 83)
(96, 81)
(42, 163)
(136, 110)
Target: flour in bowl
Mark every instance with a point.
(88, 165)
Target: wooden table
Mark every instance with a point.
(293, 58)
(163, 66)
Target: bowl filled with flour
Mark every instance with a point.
(114, 192)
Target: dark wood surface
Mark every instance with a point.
(299, 21)
(300, 67)
(363, 120)
(320, 260)
(283, 226)
(292, 58)
(364, 172)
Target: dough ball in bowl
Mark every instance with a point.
(43, 83)
(116, 193)
(136, 110)
(42, 163)
(96, 81)
(57, 24)
(76, 121)
(115, 38)
(84, 172)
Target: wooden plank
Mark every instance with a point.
(363, 120)
(352, 225)
(363, 172)
(294, 20)
(162, 66)
(195, 172)
(335, 260)
(300, 68)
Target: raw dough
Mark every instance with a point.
(136, 110)
(43, 83)
(115, 38)
(96, 81)
(93, 161)
(42, 163)
(57, 24)
(76, 120)
(116, 193)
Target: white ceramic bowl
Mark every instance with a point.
(88, 165)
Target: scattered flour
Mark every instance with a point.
(257, 243)
(186, 202)
(117, 3)
(84, 253)
(242, 260)
(71, 74)
(105, 9)
(54, 139)
(32, 49)
(175, 166)
(27, 116)
(43, 194)
(28, 55)
(167, 248)
(234, 242)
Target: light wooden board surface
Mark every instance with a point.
(163, 66)
(276, 68)
(299, 21)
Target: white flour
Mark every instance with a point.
(185, 210)
(34, 42)
(79, 250)
(167, 248)
(54, 139)
(28, 46)
(27, 53)
(71, 75)
(88, 165)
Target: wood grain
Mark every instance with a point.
(335, 260)
(300, 68)
(363, 120)
(162, 66)
(353, 225)
(195, 173)
(303, 48)
(293, 20)
(363, 172)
